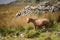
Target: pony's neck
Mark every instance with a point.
(33, 20)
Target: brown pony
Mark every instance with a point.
(39, 22)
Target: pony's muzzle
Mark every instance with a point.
(27, 21)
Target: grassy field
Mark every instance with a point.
(11, 27)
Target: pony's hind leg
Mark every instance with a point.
(47, 27)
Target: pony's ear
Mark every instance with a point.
(27, 19)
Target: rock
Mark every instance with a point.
(57, 33)
(42, 7)
(22, 35)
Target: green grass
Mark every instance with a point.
(30, 33)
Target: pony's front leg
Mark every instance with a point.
(35, 27)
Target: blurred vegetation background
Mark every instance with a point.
(11, 27)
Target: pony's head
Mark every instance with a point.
(29, 20)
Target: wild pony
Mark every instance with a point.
(39, 22)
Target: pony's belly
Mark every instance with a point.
(39, 24)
